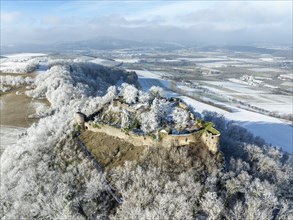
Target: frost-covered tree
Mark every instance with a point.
(15, 80)
(129, 93)
(143, 97)
(155, 92)
(111, 94)
(46, 175)
(180, 117)
(125, 121)
(260, 200)
(149, 121)
(4, 88)
(212, 205)
(20, 65)
(150, 191)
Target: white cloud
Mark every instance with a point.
(177, 21)
(9, 17)
(51, 20)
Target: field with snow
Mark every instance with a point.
(274, 131)
(259, 97)
(263, 69)
(23, 55)
(147, 79)
(9, 136)
(16, 107)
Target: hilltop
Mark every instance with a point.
(136, 119)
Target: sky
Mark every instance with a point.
(207, 22)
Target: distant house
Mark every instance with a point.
(210, 72)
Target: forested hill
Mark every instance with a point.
(47, 176)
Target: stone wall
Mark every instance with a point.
(136, 140)
(211, 141)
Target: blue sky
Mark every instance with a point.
(197, 21)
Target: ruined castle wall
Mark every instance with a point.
(166, 140)
(136, 140)
(211, 141)
(178, 140)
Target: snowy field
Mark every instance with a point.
(288, 76)
(148, 79)
(262, 69)
(259, 97)
(204, 59)
(24, 55)
(99, 61)
(104, 62)
(274, 131)
(9, 136)
(127, 60)
(14, 107)
(224, 61)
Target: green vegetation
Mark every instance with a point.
(96, 125)
(77, 127)
(213, 130)
(126, 130)
(136, 124)
(206, 126)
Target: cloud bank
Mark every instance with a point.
(233, 22)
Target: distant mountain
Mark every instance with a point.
(109, 43)
(240, 48)
(101, 43)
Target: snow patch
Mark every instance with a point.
(24, 55)
(9, 136)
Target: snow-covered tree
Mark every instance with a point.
(46, 175)
(19, 65)
(15, 80)
(156, 92)
(149, 121)
(111, 94)
(129, 93)
(212, 205)
(125, 121)
(180, 117)
(143, 97)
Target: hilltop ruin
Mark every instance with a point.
(156, 121)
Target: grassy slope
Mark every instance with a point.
(109, 151)
(112, 152)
